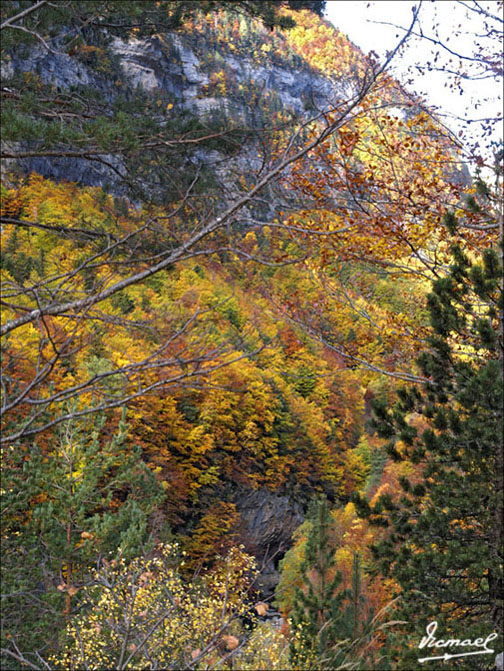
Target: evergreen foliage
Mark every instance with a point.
(318, 608)
(445, 548)
(64, 504)
(332, 626)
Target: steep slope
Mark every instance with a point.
(235, 408)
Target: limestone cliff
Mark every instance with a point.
(189, 77)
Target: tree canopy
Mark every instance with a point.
(227, 236)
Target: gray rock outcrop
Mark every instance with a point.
(163, 65)
(268, 521)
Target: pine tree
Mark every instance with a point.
(354, 609)
(331, 626)
(65, 505)
(445, 543)
(360, 627)
(318, 609)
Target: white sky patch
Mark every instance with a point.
(459, 29)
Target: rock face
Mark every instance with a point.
(55, 68)
(268, 521)
(162, 66)
(145, 63)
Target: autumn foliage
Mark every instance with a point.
(141, 397)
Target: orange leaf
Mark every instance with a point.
(231, 642)
(261, 608)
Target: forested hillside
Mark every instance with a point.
(252, 346)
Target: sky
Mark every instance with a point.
(363, 22)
